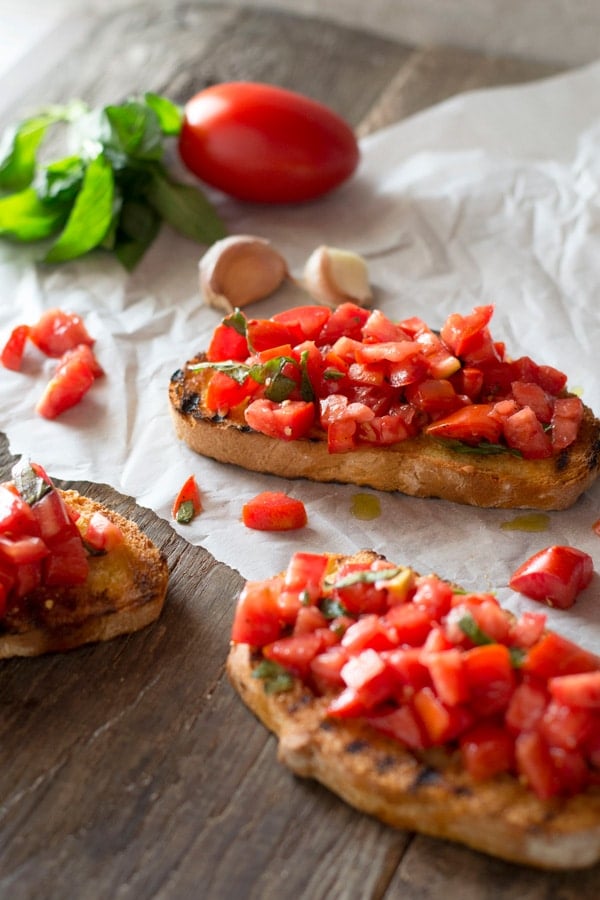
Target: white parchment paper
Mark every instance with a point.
(492, 197)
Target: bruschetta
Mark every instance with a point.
(72, 572)
(347, 395)
(431, 709)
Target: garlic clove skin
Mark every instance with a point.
(336, 276)
(239, 270)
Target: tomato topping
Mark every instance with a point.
(257, 618)
(487, 750)
(102, 534)
(70, 383)
(274, 511)
(58, 331)
(12, 352)
(555, 576)
(370, 381)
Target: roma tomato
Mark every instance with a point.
(554, 576)
(274, 511)
(265, 144)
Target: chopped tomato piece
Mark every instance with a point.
(263, 334)
(524, 432)
(22, 550)
(490, 677)
(85, 354)
(487, 750)
(12, 352)
(303, 583)
(448, 675)
(566, 421)
(70, 383)
(257, 617)
(16, 516)
(526, 707)
(102, 533)
(58, 331)
(403, 725)
(187, 504)
(288, 421)
(565, 726)
(555, 655)
(534, 764)
(227, 343)
(295, 652)
(471, 424)
(347, 320)
(554, 576)
(67, 563)
(528, 394)
(326, 668)
(582, 689)
(274, 511)
(462, 333)
(308, 319)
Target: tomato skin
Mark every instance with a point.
(554, 576)
(266, 144)
(288, 421)
(274, 511)
(471, 424)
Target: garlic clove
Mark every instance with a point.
(239, 270)
(337, 276)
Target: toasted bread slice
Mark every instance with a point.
(420, 467)
(125, 591)
(427, 791)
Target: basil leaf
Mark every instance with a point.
(485, 448)
(60, 182)
(279, 386)
(137, 228)
(238, 371)
(31, 486)
(18, 152)
(368, 576)
(186, 209)
(135, 131)
(186, 512)
(23, 217)
(275, 678)
(333, 374)
(90, 217)
(169, 115)
(236, 320)
(306, 389)
(331, 609)
(469, 626)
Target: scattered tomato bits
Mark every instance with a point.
(274, 511)
(357, 378)
(430, 666)
(188, 503)
(63, 336)
(554, 576)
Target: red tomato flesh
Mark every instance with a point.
(555, 576)
(274, 511)
(265, 144)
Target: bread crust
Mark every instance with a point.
(125, 591)
(419, 467)
(429, 792)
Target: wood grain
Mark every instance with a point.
(131, 769)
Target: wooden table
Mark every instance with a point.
(131, 769)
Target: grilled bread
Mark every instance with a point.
(426, 790)
(124, 591)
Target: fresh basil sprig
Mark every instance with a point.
(113, 188)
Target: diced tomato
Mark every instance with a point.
(224, 392)
(471, 424)
(67, 563)
(57, 331)
(468, 381)
(288, 421)
(14, 348)
(492, 619)
(437, 397)
(27, 578)
(303, 583)
(403, 725)
(85, 354)
(102, 533)
(22, 550)
(346, 320)
(263, 334)
(529, 394)
(257, 615)
(356, 595)
(534, 764)
(565, 726)
(412, 623)
(448, 675)
(440, 363)
(274, 511)
(487, 750)
(490, 677)
(53, 518)
(566, 422)
(555, 655)
(369, 631)
(525, 433)
(527, 629)
(433, 595)
(368, 682)
(409, 668)
(570, 769)
(71, 381)
(526, 707)
(227, 343)
(325, 669)
(310, 320)
(16, 516)
(187, 503)
(295, 652)
(382, 431)
(378, 329)
(555, 575)
(582, 689)
(308, 619)
(462, 334)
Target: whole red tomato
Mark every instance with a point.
(265, 144)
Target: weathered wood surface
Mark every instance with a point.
(130, 769)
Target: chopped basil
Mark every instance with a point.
(185, 513)
(31, 486)
(278, 386)
(236, 370)
(306, 389)
(113, 189)
(276, 679)
(368, 576)
(484, 447)
(236, 320)
(469, 626)
(331, 609)
(332, 374)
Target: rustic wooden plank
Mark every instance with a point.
(432, 74)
